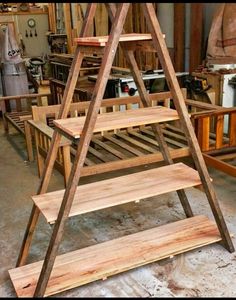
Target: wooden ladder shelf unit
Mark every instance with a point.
(57, 273)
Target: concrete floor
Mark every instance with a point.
(209, 271)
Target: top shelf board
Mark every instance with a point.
(102, 40)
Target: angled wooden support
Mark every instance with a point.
(172, 81)
(51, 157)
(109, 53)
(129, 55)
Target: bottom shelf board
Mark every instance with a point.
(99, 261)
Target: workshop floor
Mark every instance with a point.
(209, 271)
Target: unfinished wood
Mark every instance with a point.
(101, 41)
(133, 162)
(101, 20)
(143, 137)
(48, 131)
(219, 131)
(112, 257)
(220, 165)
(170, 141)
(203, 133)
(196, 36)
(123, 145)
(119, 190)
(108, 148)
(68, 24)
(136, 143)
(121, 119)
(232, 129)
(98, 154)
(179, 36)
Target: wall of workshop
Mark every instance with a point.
(166, 20)
(37, 45)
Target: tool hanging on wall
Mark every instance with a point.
(31, 33)
(35, 33)
(26, 33)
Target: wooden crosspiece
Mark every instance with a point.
(48, 276)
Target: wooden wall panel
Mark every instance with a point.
(179, 36)
(196, 32)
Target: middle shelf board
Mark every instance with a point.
(123, 189)
(117, 120)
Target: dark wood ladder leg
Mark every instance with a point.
(51, 156)
(85, 138)
(172, 81)
(129, 55)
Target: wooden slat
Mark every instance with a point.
(219, 131)
(123, 145)
(143, 137)
(109, 148)
(219, 165)
(102, 40)
(112, 257)
(170, 141)
(232, 129)
(98, 154)
(136, 142)
(203, 133)
(115, 120)
(119, 190)
(48, 131)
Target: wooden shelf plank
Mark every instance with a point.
(112, 257)
(120, 190)
(102, 40)
(117, 120)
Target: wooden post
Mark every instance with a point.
(68, 25)
(219, 131)
(179, 36)
(196, 36)
(232, 129)
(203, 133)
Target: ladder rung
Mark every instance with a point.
(117, 120)
(119, 190)
(112, 257)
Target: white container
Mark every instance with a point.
(14, 80)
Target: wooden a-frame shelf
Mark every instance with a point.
(57, 273)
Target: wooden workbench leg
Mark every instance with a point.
(52, 153)
(164, 57)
